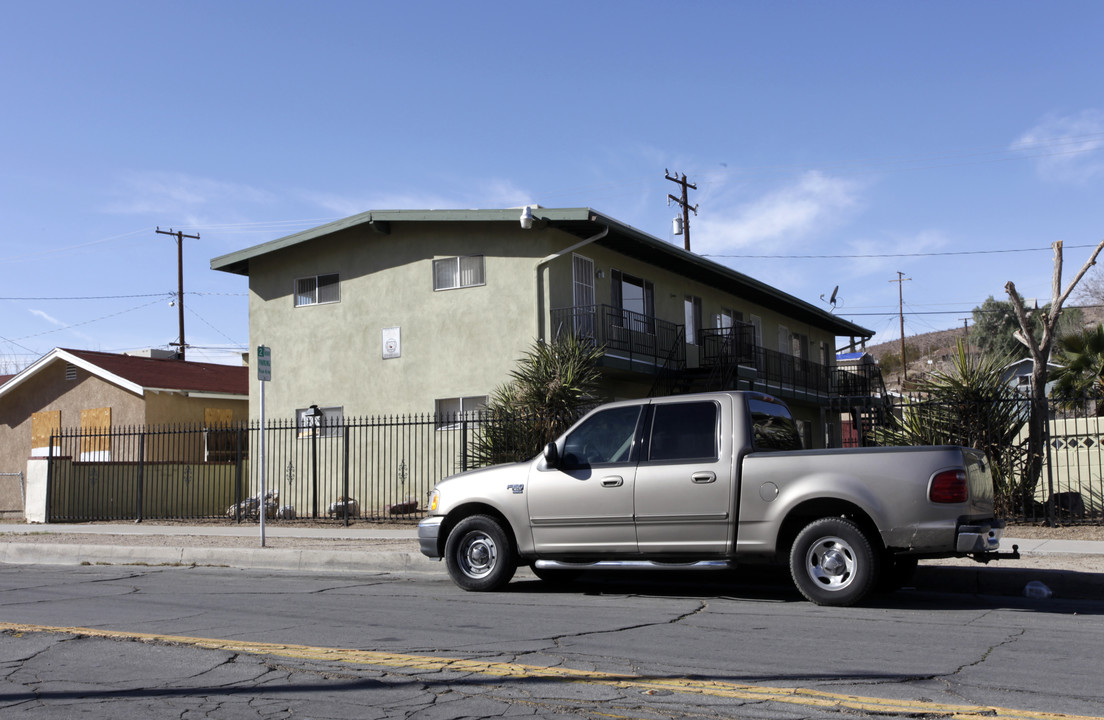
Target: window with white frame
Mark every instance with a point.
(317, 290)
(451, 411)
(693, 312)
(458, 272)
(326, 422)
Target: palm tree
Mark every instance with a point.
(1081, 375)
(553, 384)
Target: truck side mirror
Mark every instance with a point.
(551, 455)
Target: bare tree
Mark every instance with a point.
(1040, 353)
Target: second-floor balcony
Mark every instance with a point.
(633, 340)
(727, 358)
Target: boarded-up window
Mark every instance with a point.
(222, 444)
(43, 426)
(95, 437)
(214, 417)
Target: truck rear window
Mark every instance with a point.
(772, 427)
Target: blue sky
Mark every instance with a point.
(885, 135)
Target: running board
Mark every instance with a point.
(632, 565)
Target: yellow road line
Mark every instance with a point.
(757, 693)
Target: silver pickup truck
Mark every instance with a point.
(713, 480)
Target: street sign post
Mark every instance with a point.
(264, 376)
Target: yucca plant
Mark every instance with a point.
(553, 384)
(969, 405)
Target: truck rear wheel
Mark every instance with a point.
(833, 562)
(479, 554)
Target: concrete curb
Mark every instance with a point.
(296, 560)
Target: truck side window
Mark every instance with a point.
(772, 426)
(684, 431)
(604, 437)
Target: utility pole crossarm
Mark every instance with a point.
(683, 202)
(179, 235)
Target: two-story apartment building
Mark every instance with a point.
(402, 311)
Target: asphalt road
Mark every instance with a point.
(120, 642)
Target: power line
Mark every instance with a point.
(128, 297)
(889, 255)
(92, 297)
(86, 322)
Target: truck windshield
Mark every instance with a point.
(772, 427)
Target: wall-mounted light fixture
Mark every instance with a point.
(527, 218)
(601, 274)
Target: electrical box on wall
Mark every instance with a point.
(392, 346)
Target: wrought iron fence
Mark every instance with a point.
(370, 469)
(382, 469)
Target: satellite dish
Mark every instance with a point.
(832, 300)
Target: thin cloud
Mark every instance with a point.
(789, 214)
(179, 195)
(48, 318)
(1066, 148)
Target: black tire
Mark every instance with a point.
(834, 563)
(479, 554)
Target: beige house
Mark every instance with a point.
(416, 311)
(96, 390)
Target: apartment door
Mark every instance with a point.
(582, 270)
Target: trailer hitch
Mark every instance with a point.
(984, 558)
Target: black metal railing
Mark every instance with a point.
(642, 341)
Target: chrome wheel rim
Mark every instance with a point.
(477, 555)
(830, 563)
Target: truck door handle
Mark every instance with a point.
(701, 478)
(612, 481)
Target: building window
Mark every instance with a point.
(757, 323)
(451, 411)
(317, 290)
(693, 306)
(458, 272)
(326, 422)
(634, 298)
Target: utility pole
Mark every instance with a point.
(901, 311)
(179, 282)
(684, 203)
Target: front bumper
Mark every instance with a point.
(429, 530)
(980, 537)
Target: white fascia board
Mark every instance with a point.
(59, 354)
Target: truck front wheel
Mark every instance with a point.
(833, 562)
(479, 554)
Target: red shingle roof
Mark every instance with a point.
(156, 373)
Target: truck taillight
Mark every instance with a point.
(949, 486)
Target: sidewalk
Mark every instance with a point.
(1070, 568)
